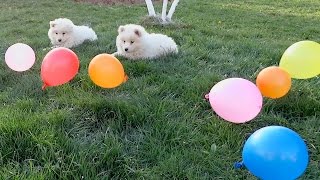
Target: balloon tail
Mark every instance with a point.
(125, 78)
(206, 96)
(44, 86)
(238, 165)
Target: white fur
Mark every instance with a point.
(69, 34)
(142, 45)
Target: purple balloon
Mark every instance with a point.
(20, 57)
(236, 100)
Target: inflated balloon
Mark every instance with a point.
(20, 57)
(302, 60)
(106, 71)
(275, 153)
(236, 100)
(273, 82)
(59, 66)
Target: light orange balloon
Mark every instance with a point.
(107, 71)
(273, 82)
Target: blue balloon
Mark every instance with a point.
(275, 153)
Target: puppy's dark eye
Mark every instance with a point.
(56, 33)
(132, 42)
(124, 41)
(63, 33)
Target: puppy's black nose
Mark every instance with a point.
(126, 49)
(59, 40)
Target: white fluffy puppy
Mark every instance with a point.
(134, 42)
(63, 33)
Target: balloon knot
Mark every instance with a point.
(44, 86)
(238, 165)
(206, 96)
(125, 78)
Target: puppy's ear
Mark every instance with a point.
(137, 32)
(121, 29)
(52, 24)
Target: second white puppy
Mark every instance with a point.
(63, 33)
(134, 42)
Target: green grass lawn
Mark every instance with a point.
(157, 125)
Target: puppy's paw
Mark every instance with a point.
(116, 54)
(45, 49)
(48, 48)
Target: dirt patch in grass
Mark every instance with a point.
(113, 2)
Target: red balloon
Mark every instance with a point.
(59, 66)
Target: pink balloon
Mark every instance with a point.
(236, 100)
(20, 57)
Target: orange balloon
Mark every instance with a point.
(59, 66)
(106, 71)
(273, 82)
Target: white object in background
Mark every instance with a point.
(150, 8)
(164, 10)
(172, 9)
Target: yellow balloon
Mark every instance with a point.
(302, 60)
(107, 71)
